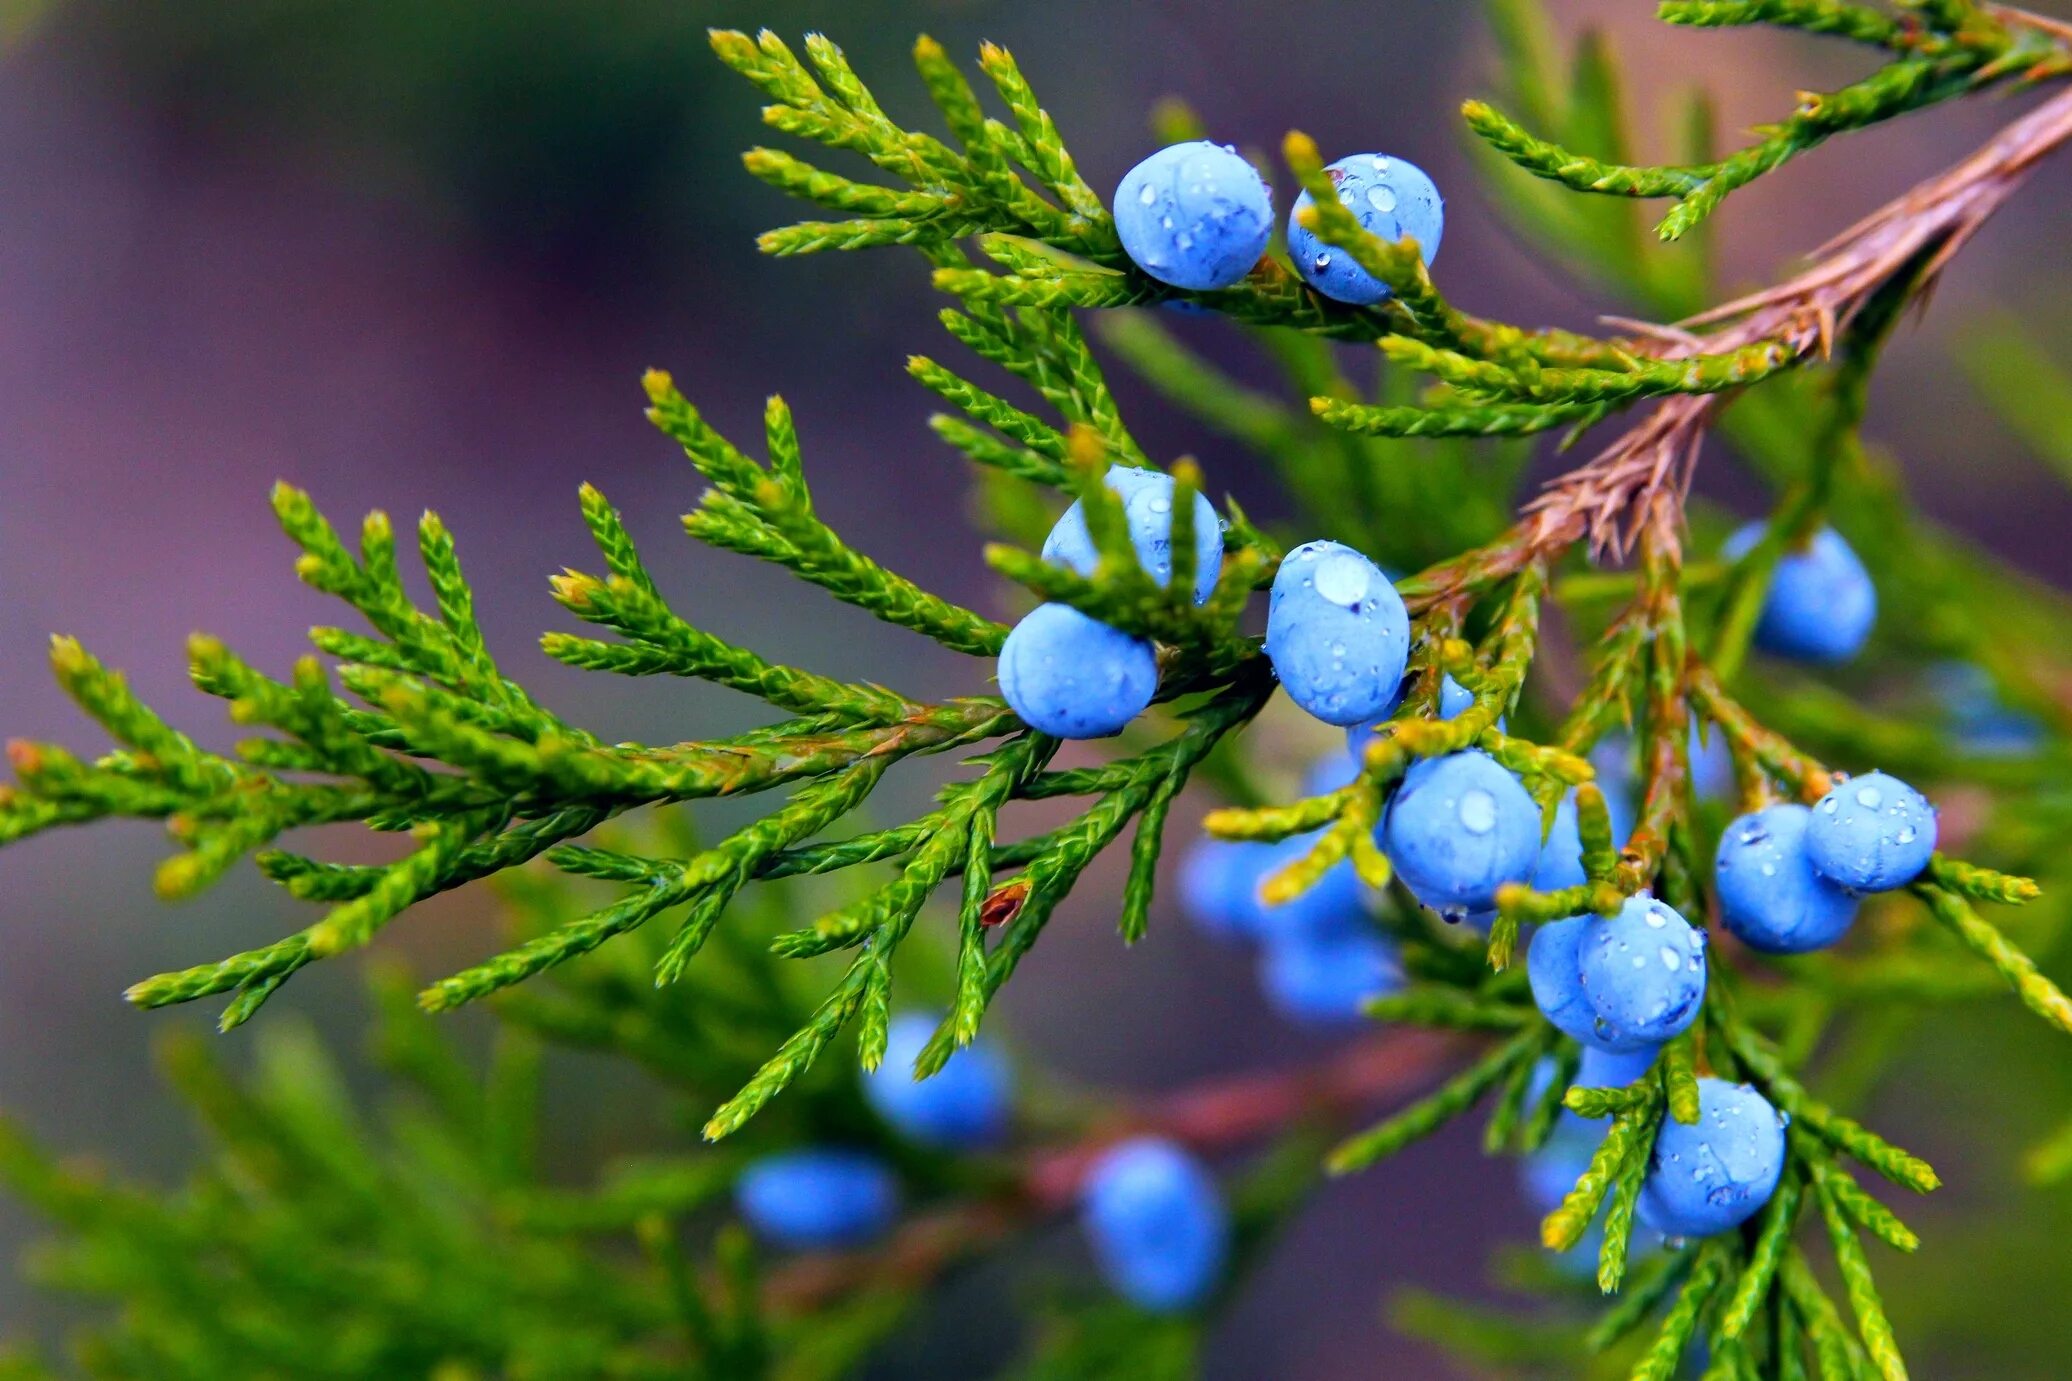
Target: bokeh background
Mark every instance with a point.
(416, 253)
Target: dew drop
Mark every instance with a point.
(1655, 921)
(1148, 195)
(1906, 836)
(1321, 262)
(1343, 579)
(1381, 165)
(1382, 199)
(1670, 959)
(1869, 798)
(1160, 505)
(1477, 811)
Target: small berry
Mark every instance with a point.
(1769, 894)
(1219, 885)
(1157, 1223)
(1454, 698)
(1614, 1068)
(818, 1198)
(1622, 983)
(1549, 1173)
(1195, 215)
(1714, 1174)
(1821, 604)
(1332, 772)
(1871, 833)
(1554, 971)
(1337, 633)
(963, 1105)
(1561, 857)
(1390, 198)
(1459, 828)
(1220, 882)
(1070, 676)
(1618, 768)
(1147, 505)
(1334, 906)
(1323, 980)
(1980, 721)
(1644, 972)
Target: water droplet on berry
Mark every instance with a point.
(1906, 836)
(1868, 796)
(1670, 958)
(1148, 195)
(1769, 870)
(1321, 262)
(1477, 812)
(1654, 919)
(1343, 579)
(1381, 165)
(1382, 199)
(1160, 505)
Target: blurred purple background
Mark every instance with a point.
(417, 255)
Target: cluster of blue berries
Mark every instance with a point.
(1622, 983)
(1703, 1178)
(1071, 676)
(1151, 1212)
(1320, 957)
(1198, 216)
(1789, 875)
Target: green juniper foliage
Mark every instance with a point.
(427, 1244)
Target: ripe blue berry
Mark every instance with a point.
(1621, 983)
(1561, 857)
(1332, 771)
(1454, 698)
(1157, 1224)
(1871, 833)
(1073, 677)
(963, 1105)
(818, 1198)
(1322, 979)
(1220, 881)
(1195, 215)
(1716, 1173)
(1614, 1068)
(1769, 894)
(1821, 603)
(1549, 1173)
(1147, 504)
(1977, 717)
(1337, 633)
(1219, 885)
(1554, 970)
(1644, 972)
(1618, 768)
(1391, 199)
(1459, 828)
(1335, 906)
